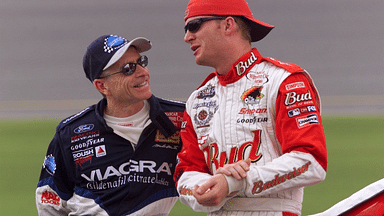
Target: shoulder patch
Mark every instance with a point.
(290, 67)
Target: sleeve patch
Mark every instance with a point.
(49, 197)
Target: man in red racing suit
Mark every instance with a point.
(253, 135)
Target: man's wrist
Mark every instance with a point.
(234, 185)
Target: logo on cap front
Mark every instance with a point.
(114, 42)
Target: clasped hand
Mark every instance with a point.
(213, 191)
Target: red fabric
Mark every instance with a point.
(289, 214)
(220, 7)
(373, 206)
(292, 136)
(194, 155)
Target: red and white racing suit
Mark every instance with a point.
(265, 110)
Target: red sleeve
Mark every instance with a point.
(298, 122)
(191, 158)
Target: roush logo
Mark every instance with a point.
(50, 198)
(241, 67)
(293, 97)
(81, 160)
(295, 85)
(83, 153)
(309, 120)
(84, 128)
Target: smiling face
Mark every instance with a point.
(125, 90)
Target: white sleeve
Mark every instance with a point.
(49, 203)
(291, 170)
(185, 185)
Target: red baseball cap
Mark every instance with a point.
(228, 7)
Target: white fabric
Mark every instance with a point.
(223, 109)
(130, 127)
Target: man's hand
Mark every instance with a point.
(238, 170)
(212, 192)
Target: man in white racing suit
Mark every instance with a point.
(253, 135)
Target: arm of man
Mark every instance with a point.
(54, 188)
(301, 136)
(192, 172)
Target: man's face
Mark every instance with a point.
(128, 89)
(205, 42)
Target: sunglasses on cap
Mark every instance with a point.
(130, 68)
(194, 25)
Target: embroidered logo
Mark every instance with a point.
(252, 95)
(49, 164)
(175, 138)
(50, 198)
(114, 42)
(100, 151)
(241, 67)
(207, 92)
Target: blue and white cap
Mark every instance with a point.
(108, 49)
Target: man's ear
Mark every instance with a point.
(100, 86)
(230, 24)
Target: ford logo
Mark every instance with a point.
(84, 128)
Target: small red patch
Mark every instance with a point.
(50, 198)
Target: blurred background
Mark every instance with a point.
(339, 42)
(42, 43)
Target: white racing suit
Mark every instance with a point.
(265, 110)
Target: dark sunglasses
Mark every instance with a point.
(130, 68)
(194, 25)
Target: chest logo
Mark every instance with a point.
(216, 159)
(208, 92)
(252, 95)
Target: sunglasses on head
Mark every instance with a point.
(130, 68)
(194, 25)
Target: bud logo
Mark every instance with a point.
(293, 97)
(241, 67)
(252, 95)
(126, 168)
(260, 186)
(50, 198)
(216, 159)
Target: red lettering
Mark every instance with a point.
(236, 153)
(50, 198)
